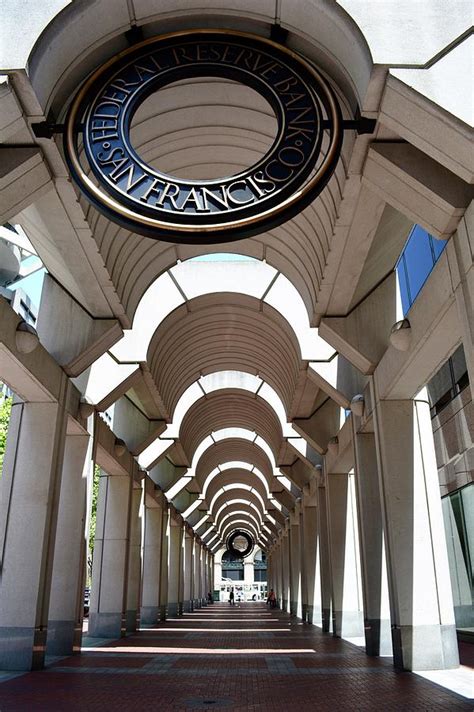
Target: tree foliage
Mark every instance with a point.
(95, 497)
(5, 410)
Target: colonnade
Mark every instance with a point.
(148, 563)
(378, 566)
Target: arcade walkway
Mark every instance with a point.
(241, 658)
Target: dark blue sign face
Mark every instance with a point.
(150, 202)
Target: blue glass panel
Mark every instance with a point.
(406, 304)
(418, 259)
(438, 246)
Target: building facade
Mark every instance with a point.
(309, 384)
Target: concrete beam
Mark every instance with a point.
(321, 426)
(363, 335)
(417, 186)
(24, 177)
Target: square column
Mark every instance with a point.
(152, 548)
(28, 517)
(203, 576)
(175, 562)
(111, 552)
(421, 604)
(285, 563)
(164, 570)
(375, 595)
(66, 605)
(134, 561)
(188, 569)
(348, 620)
(312, 584)
(324, 558)
(295, 563)
(197, 603)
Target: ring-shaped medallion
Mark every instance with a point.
(146, 201)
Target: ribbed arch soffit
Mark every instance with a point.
(229, 408)
(233, 477)
(204, 336)
(233, 450)
(234, 499)
(298, 249)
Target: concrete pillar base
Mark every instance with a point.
(163, 612)
(294, 608)
(106, 625)
(187, 606)
(203, 601)
(377, 636)
(425, 647)
(64, 638)
(196, 603)
(22, 648)
(131, 621)
(173, 610)
(326, 620)
(180, 608)
(150, 614)
(284, 605)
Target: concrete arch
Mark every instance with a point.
(236, 495)
(229, 408)
(300, 248)
(230, 479)
(235, 449)
(233, 335)
(94, 31)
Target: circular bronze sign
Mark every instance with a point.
(240, 544)
(137, 196)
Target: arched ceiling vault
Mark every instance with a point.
(233, 334)
(230, 408)
(230, 451)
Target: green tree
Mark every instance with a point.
(5, 410)
(95, 496)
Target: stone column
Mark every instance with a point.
(295, 563)
(423, 628)
(324, 558)
(164, 569)
(28, 516)
(110, 563)
(134, 561)
(152, 548)
(285, 564)
(248, 571)
(175, 560)
(66, 606)
(376, 613)
(312, 588)
(197, 574)
(210, 571)
(203, 592)
(217, 574)
(343, 540)
(188, 569)
(280, 580)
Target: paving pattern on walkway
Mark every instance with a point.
(244, 658)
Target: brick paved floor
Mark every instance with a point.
(241, 658)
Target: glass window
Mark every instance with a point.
(438, 246)
(418, 258)
(448, 382)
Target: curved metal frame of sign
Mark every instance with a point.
(233, 537)
(148, 202)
